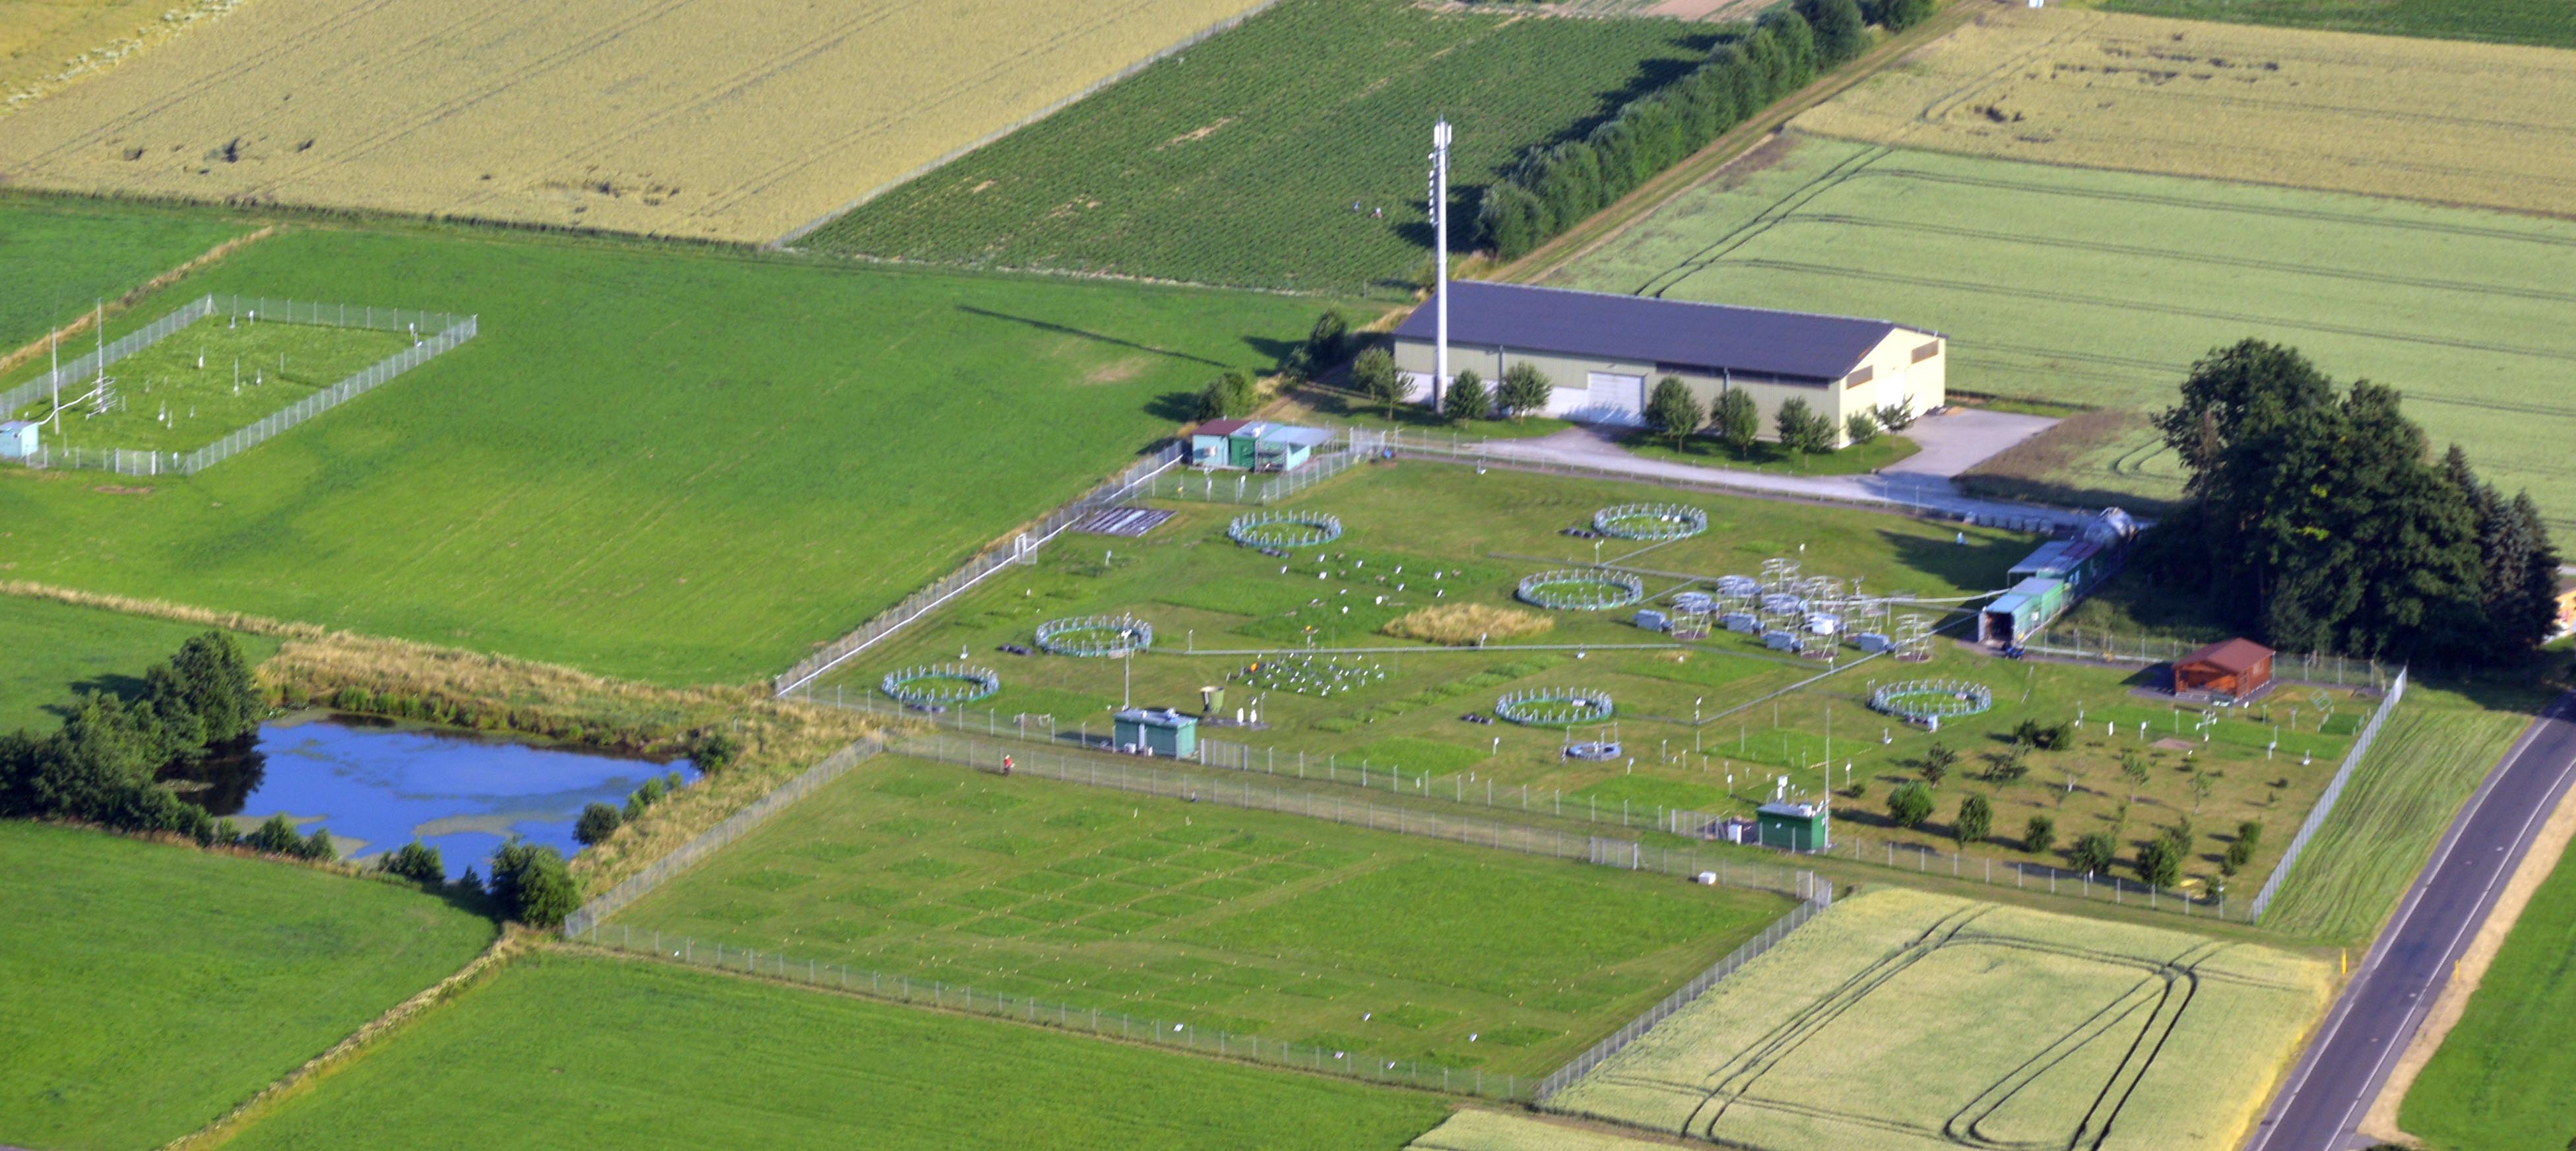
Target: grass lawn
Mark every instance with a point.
(2427, 760)
(152, 988)
(2030, 1029)
(1252, 922)
(208, 380)
(611, 1053)
(2450, 305)
(2499, 1082)
(1767, 456)
(56, 650)
(2544, 22)
(658, 464)
(1239, 162)
(58, 257)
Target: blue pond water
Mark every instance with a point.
(378, 786)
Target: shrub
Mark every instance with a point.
(2159, 862)
(2250, 833)
(715, 751)
(1469, 399)
(317, 846)
(643, 797)
(1840, 30)
(1802, 429)
(1233, 393)
(2239, 853)
(1936, 762)
(417, 862)
(1976, 819)
(531, 885)
(1910, 804)
(1525, 389)
(1861, 428)
(1895, 417)
(275, 837)
(598, 821)
(2093, 852)
(1672, 411)
(2039, 835)
(1328, 344)
(1737, 420)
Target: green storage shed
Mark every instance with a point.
(1796, 826)
(1158, 731)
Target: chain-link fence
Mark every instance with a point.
(446, 332)
(1128, 773)
(734, 827)
(1349, 446)
(2116, 647)
(2326, 802)
(1029, 1009)
(1683, 996)
(1129, 483)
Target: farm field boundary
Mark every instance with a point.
(45, 344)
(2456, 308)
(2045, 1028)
(950, 586)
(713, 839)
(2326, 803)
(763, 116)
(2539, 22)
(2485, 124)
(966, 999)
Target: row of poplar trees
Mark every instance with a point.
(2320, 519)
(1550, 188)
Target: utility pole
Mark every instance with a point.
(1439, 260)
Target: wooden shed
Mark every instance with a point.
(2238, 668)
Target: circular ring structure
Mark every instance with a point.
(1284, 529)
(1096, 636)
(1553, 707)
(936, 684)
(1921, 699)
(1580, 590)
(1650, 521)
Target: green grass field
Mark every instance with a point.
(2428, 759)
(1419, 535)
(1902, 1021)
(2105, 286)
(58, 257)
(205, 381)
(1254, 923)
(2548, 23)
(1238, 162)
(608, 1053)
(2499, 1082)
(153, 988)
(666, 465)
(56, 650)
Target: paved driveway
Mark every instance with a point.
(1963, 438)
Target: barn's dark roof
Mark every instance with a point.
(2235, 656)
(1642, 328)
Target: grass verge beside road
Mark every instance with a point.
(560, 1050)
(153, 988)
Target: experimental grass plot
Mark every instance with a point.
(1286, 153)
(1901, 1021)
(2106, 286)
(2451, 123)
(761, 117)
(201, 382)
(153, 988)
(631, 1053)
(1290, 929)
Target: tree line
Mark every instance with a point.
(2318, 519)
(1552, 187)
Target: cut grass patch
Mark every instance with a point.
(647, 1055)
(2499, 1081)
(57, 650)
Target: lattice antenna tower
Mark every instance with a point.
(1779, 573)
(1914, 637)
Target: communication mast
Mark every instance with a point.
(1439, 260)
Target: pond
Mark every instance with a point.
(378, 785)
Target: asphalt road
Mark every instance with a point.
(2380, 1009)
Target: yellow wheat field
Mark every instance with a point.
(722, 119)
(2436, 120)
(46, 45)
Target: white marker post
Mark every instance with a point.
(1439, 260)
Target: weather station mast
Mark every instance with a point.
(1439, 260)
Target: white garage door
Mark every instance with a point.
(1616, 392)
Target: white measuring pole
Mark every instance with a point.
(1439, 260)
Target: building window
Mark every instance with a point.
(1927, 351)
(1863, 376)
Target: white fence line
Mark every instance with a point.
(955, 583)
(734, 827)
(2326, 802)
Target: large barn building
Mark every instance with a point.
(1605, 353)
